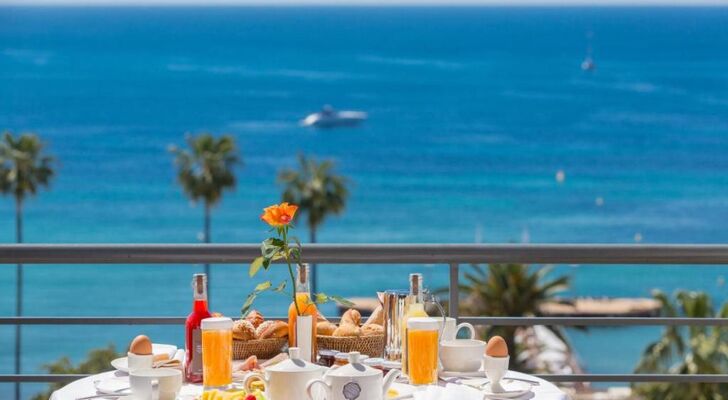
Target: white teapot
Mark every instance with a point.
(354, 381)
(287, 379)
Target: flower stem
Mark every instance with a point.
(286, 253)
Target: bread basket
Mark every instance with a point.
(261, 348)
(373, 346)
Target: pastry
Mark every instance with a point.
(351, 317)
(272, 329)
(372, 330)
(347, 330)
(325, 328)
(244, 330)
(377, 317)
(255, 318)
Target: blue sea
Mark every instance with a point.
(472, 112)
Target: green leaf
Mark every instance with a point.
(248, 303)
(280, 287)
(321, 298)
(263, 286)
(255, 266)
(340, 300)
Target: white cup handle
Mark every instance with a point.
(312, 383)
(470, 328)
(249, 379)
(155, 389)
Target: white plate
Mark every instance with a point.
(513, 389)
(112, 385)
(454, 374)
(122, 364)
(402, 389)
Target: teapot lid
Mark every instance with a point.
(354, 368)
(294, 363)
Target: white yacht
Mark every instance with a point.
(330, 118)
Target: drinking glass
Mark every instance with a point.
(422, 344)
(217, 352)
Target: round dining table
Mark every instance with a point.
(86, 387)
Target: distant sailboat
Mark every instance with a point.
(588, 63)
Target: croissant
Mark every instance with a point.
(325, 328)
(272, 329)
(372, 330)
(351, 317)
(255, 318)
(377, 317)
(347, 330)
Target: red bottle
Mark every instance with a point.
(193, 334)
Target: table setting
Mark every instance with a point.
(407, 348)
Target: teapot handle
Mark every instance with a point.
(388, 380)
(312, 383)
(249, 379)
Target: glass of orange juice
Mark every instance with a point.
(217, 352)
(422, 348)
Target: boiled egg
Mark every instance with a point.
(496, 347)
(141, 345)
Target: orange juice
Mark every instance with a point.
(217, 352)
(422, 348)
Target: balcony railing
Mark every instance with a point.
(449, 255)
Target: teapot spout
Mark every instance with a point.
(389, 380)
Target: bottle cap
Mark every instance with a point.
(217, 323)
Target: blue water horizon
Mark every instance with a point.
(472, 112)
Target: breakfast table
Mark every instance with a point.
(86, 387)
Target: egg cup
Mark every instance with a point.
(139, 361)
(495, 369)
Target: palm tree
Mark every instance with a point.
(205, 170)
(24, 168)
(681, 350)
(317, 191)
(509, 290)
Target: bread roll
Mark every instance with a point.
(377, 316)
(347, 330)
(325, 328)
(255, 318)
(244, 330)
(351, 317)
(272, 329)
(372, 330)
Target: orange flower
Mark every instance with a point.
(279, 215)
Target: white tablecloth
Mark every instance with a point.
(85, 387)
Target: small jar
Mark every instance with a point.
(327, 357)
(375, 363)
(341, 359)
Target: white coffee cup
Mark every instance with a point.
(139, 361)
(495, 369)
(450, 329)
(462, 355)
(155, 384)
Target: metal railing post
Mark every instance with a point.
(454, 290)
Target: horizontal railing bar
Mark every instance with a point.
(39, 378)
(497, 321)
(558, 378)
(672, 378)
(367, 253)
(594, 321)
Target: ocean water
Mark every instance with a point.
(472, 113)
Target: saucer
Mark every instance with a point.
(512, 389)
(455, 374)
(113, 385)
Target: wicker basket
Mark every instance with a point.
(261, 348)
(373, 346)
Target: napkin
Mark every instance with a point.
(449, 392)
